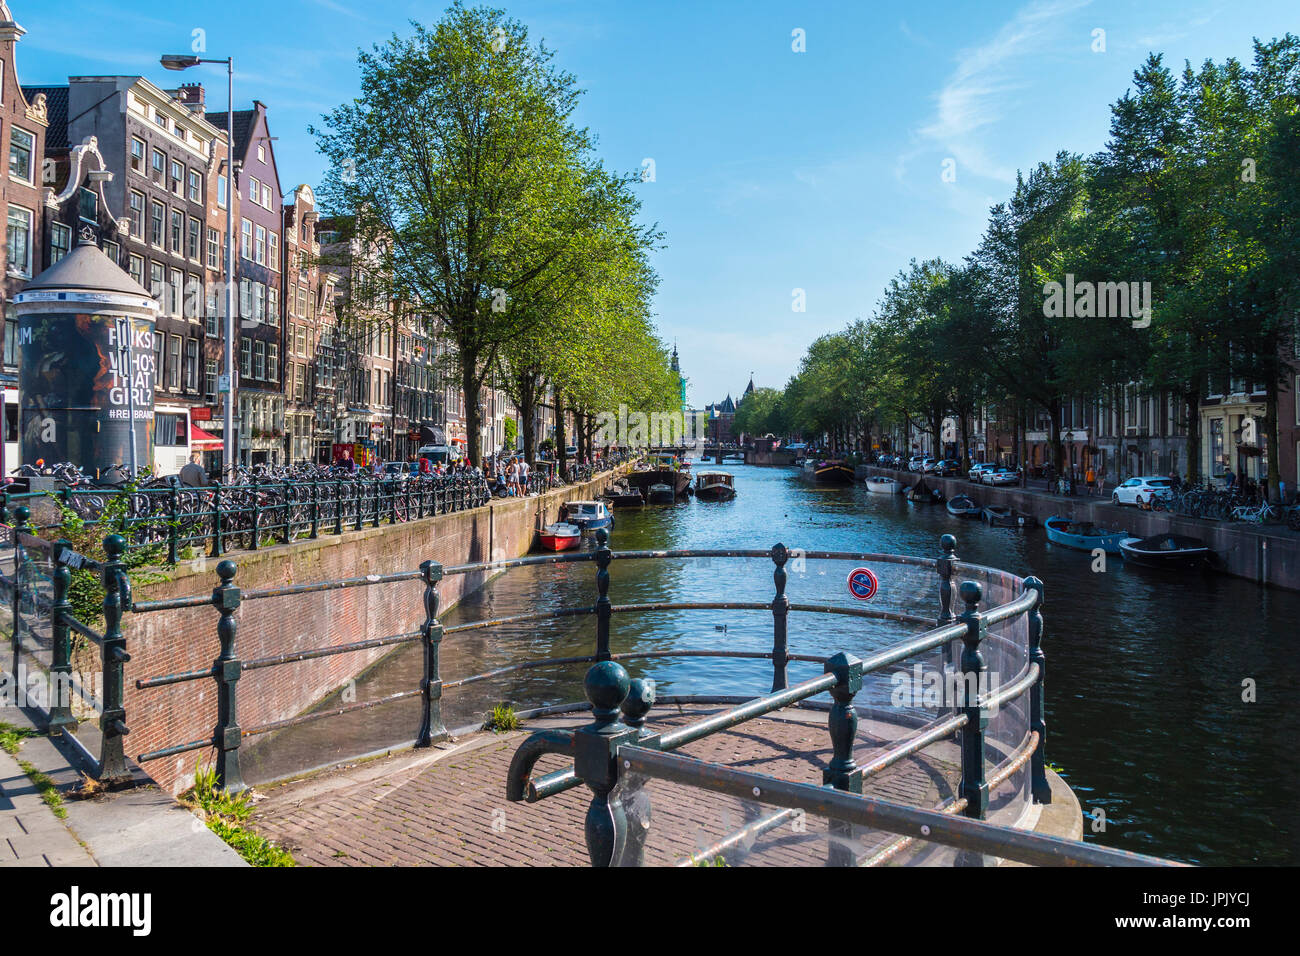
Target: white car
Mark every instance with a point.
(1000, 476)
(914, 463)
(1143, 490)
(977, 472)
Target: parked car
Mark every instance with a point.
(929, 465)
(1143, 490)
(977, 472)
(914, 463)
(1000, 476)
(948, 468)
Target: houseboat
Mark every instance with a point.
(827, 471)
(715, 486)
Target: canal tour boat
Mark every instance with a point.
(1083, 535)
(884, 486)
(1000, 516)
(1173, 551)
(828, 471)
(587, 515)
(560, 536)
(963, 506)
(715, 486)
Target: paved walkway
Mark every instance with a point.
(447, 806)
(141, 826)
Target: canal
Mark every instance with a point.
(1146, 716)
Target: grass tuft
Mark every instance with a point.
(225, 814)
(501, 719)
(11, 737)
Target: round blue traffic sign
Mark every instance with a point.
(863, 584)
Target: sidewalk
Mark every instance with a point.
(141, 826)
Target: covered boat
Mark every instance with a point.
(1001, 516)
(1083, 535)
(963, 506)
(661, 494)
(560, 536)
(919, 494)
(715, 486)
(587, 515)
(660, 469)
(1173, 551)
(827, 471)
(884, 486)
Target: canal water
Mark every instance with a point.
(1145, 709)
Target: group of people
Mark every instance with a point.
(511, 476)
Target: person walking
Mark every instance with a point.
(193, 474)
(1090, 479)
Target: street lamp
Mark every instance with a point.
(174, 61)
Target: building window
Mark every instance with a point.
(245, 299)
(137, 156)
(195, 186)
(259, 301)
(253, 189)
(196, 233)
(275, 251)
(221, 191)
(19, 241)
(22, 147)
(261, 153)
(175, 293)
(137, 215)
(157, 283)
(214, 249)
(113, 251)
(88, 206)
(137, 268)
(259, 360)
(259, 245)
(159, 166)
(60, 241)
(273, 305)
(157, 217)
(245, 239)
(174, 363)
(210, 380)
(178, 232)
(158, 357)
(178, 178)
(245, 357)
(266, 196)
(192, 365)
(273, 362)
(160, 119)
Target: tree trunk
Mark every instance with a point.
(527, 386)
(560, 440)
(1274, 449)
(469, 383)
(1193, 403)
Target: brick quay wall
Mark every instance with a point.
(174, 641)
(1264, 554)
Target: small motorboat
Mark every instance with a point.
(1000, 516)
(1083, 535)
(1166, 551)
(560, 536)
(963, 506)
(919, 494)
(715, 486)
(661, 494)
(587, 515)
(884, 486)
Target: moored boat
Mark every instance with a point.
(660, 494)
(919, 494)
(884, 486)
(1083, 535)
(963, 506)
(1174, 551)
(661, 469)
(625, 498)
(828, 471)
(587, 515)
(715, 486)
(1000, 516)
(560, 536)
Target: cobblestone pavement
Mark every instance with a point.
(447, 806)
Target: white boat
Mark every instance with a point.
(884, 486)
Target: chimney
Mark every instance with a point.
(191, 94)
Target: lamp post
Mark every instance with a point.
(229, 444)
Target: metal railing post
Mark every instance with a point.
(1041, 789)
(603, 607)
(4, 507)
(217, 548)
(21, 514)
(974, 786)
(431, 725)
(379, 489)
(780, 616)
(357, 482)
(843, 772)
(257, 516)
(421, 487)
(635, 707)
(946, 565)
(595, 747)
(174, 524)
(112, 719)
(61, 652)
(227, 668)
(287, 492)
(338, 506)
(315, 507)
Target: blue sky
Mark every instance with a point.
(774, 170)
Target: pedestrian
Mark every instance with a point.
(193, 474)
(1229, 479)
(1090, 478)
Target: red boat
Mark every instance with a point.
(560, 536)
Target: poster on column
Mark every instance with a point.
(76, 390)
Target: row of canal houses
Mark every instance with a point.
(144, 172)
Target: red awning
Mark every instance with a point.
(201, 439)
